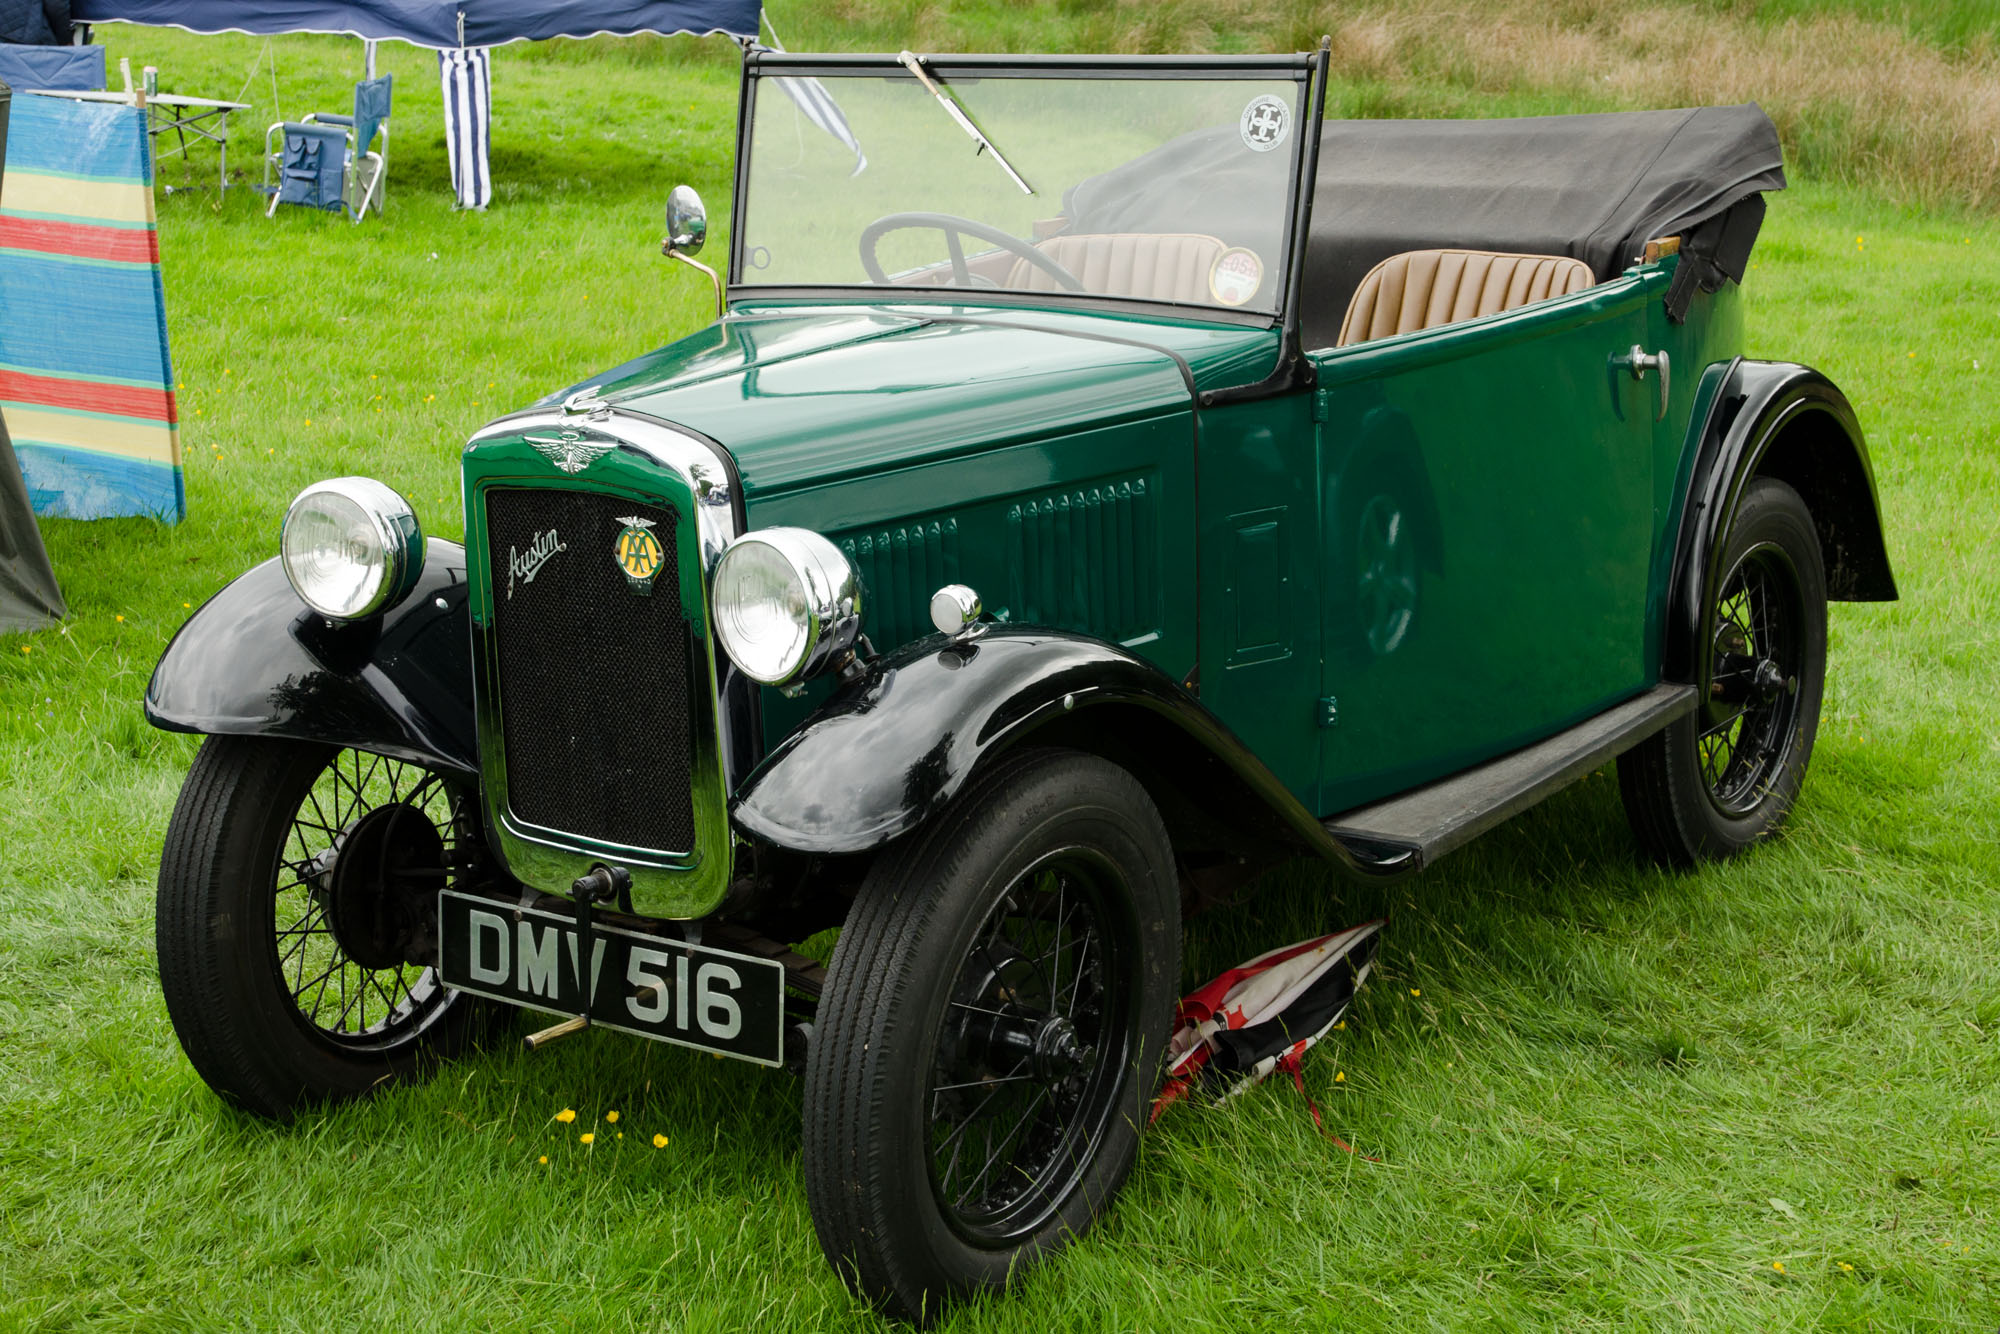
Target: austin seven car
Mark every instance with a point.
(1103, 479)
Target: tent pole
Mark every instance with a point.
(368, 59)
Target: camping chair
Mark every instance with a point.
(312, 169)
(356, 170)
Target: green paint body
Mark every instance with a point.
(1056, 461)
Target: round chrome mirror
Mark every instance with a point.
(687, 221)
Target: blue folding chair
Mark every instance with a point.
(311, 169)
(351, 175)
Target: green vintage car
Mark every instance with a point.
(1104, 479)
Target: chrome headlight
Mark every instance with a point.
(351, 547)
(786, 603)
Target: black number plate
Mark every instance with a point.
(710, 999)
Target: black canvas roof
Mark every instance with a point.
(1593, 187)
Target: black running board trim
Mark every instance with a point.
(1423, 824)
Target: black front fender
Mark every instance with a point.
(256, 661)
(887, 752)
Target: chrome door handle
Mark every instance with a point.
(1639, 361)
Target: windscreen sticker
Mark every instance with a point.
(1235, 276)
(1266, 122)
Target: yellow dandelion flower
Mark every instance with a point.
(309, 421)
(26, 649)
(489, 384)
(1416, 991)
(586, 1138)
(621, 1134)
(373, 376)
(225, 370)
(186, 605)
(181, 385)
(1778, 1265)
(270, 452)
(659, 1141)
(197, 412)
(612, 1117)
(1846, 1268)
(430, 398)
(545, 1160)
(1913, 355)
(1340, 1026)
(566, 1115)
(1340, 1076)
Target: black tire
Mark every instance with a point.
(932, 992)
(1726, 776)
(283, 861)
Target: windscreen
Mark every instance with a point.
(871, 179)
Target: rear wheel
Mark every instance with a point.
(1726, 775)
(296, 920)
(991, 1033)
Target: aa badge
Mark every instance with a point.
(638, 553)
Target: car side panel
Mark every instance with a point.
(1085, 532)
(1512, 458)
(1702, 347)
(1260, 582)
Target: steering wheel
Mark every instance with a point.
(953, 227)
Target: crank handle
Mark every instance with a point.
(1639, 361)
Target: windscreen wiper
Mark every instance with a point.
(915, 65)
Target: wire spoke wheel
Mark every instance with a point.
(297, 920)
(356, 880)
(1714, 782)
(1752, 692)
(992, 1029)
(1029, 1052)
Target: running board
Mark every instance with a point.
(1411, 830)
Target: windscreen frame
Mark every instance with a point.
(1301, 68)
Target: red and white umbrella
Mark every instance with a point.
(1263, 1015)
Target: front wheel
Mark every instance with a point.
(297, 920)
(991, 1033)
(1726, 775)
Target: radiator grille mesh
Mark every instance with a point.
(593, 679)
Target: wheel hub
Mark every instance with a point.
(1057, 1051)
(385, 870)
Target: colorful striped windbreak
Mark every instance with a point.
(85, 380)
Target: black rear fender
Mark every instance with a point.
(1783, 420)
(256, 661)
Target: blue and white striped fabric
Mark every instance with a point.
(819, 107)
(466, 73)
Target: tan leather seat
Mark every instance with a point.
(1155, 267)
(1422, 289)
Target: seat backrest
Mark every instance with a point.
(371, 109)
(1421, 289)
(1167, 267)
(56, 68)
(313, 169)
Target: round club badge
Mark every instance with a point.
(638, 553)
(1235, 276)
(1266, 122)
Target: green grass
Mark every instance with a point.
(1620, 1098)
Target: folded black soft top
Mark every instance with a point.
(1593, 187)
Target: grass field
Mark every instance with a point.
(1762, 1097)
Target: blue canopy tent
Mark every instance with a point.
(459, 30)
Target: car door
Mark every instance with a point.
(1486, 506)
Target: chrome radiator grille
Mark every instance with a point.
(592, 678)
